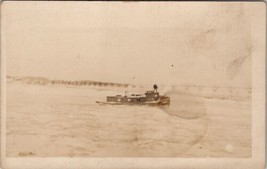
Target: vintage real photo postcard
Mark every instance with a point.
(143, 84)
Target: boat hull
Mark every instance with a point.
(164, 100)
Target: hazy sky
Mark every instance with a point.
(131, 42)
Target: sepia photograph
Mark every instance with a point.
(132, 80)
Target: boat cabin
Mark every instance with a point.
(135, 98)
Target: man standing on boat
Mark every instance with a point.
(155, 88)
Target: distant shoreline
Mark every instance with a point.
(207, 92)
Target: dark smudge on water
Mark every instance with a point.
(184, 105)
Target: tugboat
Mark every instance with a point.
(152, 98)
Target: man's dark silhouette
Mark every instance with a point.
(155, 87)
